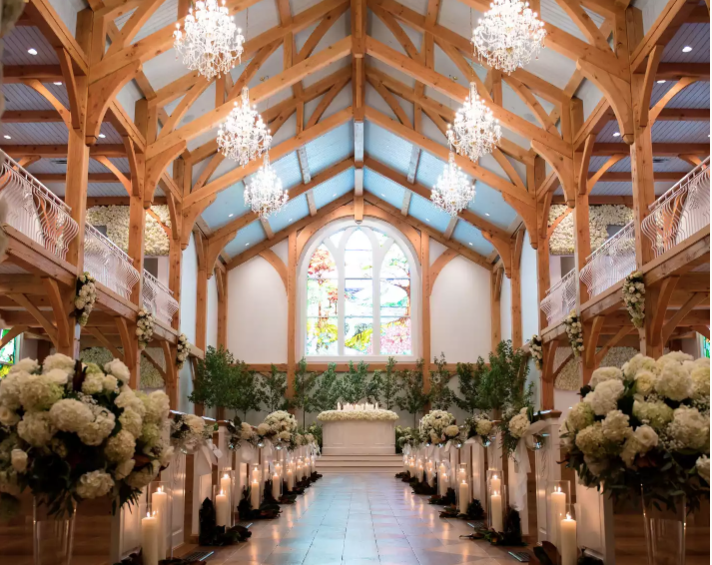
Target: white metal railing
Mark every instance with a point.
(107, 263)
(560, 299)
(611, 262)
(680, 212)
(158, 298)
(33, 210)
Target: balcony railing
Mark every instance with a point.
(34, 211)
(560, 299)
(680, 212)
(158, 298)
(611, 262)
(107, 263)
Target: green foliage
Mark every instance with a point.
(413, 399)
(469, 376)
(503, 385)
(274, 389)
(304, 384)
(441, 397)
(390, 389)
(374, 387)
(212, 377)
(354, 383)
(245, 392)
(328, 390)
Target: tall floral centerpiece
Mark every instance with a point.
(646, 430)
(279, 428)
(438, 427)
(481, 427)
(72, 432)
(189, 432)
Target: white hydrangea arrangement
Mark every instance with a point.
(634, 298)
(144, 328)
(481, 427)
(117, 221)
(189, 432)
(574, 332)
(375, 415)
(71, 432)
(536, 349)
(182, 350)
(279, 427)
(647, 424)
(84, 298)
(438, 427)
(561, 241)
(407, 438)
(239, 431)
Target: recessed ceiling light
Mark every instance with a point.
(427, 219)
(32, 51)
(470, 243)
(383, 195)
(247, 245)
(230, 215)
(289, 220)
(7, 136)
(58, 83)
(486, 214)
(102, 136)
(334, 195)
(686, 49)
(617, 134)
(662, 81)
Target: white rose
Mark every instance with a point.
(118, 369)
(703, 467)
(645, 382)
(19, 460)
(124, 468)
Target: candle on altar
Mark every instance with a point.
(464, 496)
(159, 504)
(495, 484)
(275, 486)
(222, 510)
(338, 406)
(149, 540)
(255, 495)
(496, 508)
(569, 547)
(558, 513)
(290, 480)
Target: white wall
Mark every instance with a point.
(212, 321)
(257, 313)
(460, 312)
(505, 309)
(188, 298)
(529, 291)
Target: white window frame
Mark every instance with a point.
(322, 236)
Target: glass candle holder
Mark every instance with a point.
(227, 482)
(558, 501)
(568, 534)
(497, 508)
(160, 496)
(149, 534)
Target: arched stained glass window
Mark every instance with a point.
(359, 301)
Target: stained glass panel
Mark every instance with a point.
(395, 264)
(395, 297)
(358, 336)
(322, 265)
(395, 336)
(322, 336)
(358, 295)
(322, 297)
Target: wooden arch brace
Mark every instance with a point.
(437, 267)
(563, 167)
(154, 170)
(101, 93)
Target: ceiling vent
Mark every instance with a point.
(59, 161)
(659, 159)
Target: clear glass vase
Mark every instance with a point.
(664, 531)
(53, 536)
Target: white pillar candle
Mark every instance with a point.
(569, 547)
(222, 510)
(462, 474)
(159, 505)
(226, 487)
(255, 495)
(464, 496)
(290, 480)
(558, 509)
(421, 470)
(495, 484)
(275, 486)
(149, 540)
(496, 508)
(442, 479)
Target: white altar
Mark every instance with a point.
(359, 429)
(359, 437)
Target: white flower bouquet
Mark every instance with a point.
(182, 350)
(634, 298)
(646, 425)
(239, 431)
(574, 332)
(144, 328)
(438, 427)
(279, 427)
(71, 432)
(536, 349)
(407, 437)
(516, 425)
(480, 426)
(84, 298)
(375, 415)
(189, 432)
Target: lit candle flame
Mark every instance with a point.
(568, 516)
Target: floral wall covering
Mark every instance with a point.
(570, 379)
(116, 220)
(150, 378)
(562, 240)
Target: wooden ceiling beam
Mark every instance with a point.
(660, 149)
(48, 151)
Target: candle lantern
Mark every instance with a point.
(558, 499)
(149, 534)
(462, 478)
(160, 497)
(567, 533)
(496, 499)
(227, 482)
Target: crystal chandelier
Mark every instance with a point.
(453, 191)
(210, 42)
(264, 192)
(475, 131)
(509, 35)
(243, 136)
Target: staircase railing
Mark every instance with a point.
(611, 262)
(108, 263)
(158, 298)
(560, 299)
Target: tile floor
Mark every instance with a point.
(360, 519)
